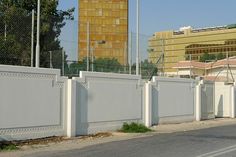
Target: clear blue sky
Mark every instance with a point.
(158, 15)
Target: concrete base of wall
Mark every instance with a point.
(177, 119)
(93, 128)
(33, 133)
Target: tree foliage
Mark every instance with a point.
(15, 22)
(206, 57)
(148, 68)
(107, 65)
(99, 64)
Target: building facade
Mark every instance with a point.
(189, 43)
(221, 70)
(107, 22)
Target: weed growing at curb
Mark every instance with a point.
(134, 128)
(8, 147)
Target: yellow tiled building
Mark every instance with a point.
(108, 21)
(178, 45)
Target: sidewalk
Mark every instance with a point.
(78, 143)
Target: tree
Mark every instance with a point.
(99, 64)
(14, 33)
(210, 57)
(76, 67)
(220, 56)
(206, 57)
(107, 65)
(147, 68)
(52, 21)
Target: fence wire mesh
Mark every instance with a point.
(109, 50)
(103, 49)
(205, 50)
(15, 37)
(73, 47)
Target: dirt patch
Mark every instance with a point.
(41, 141)
(98, 135)
(50, 140)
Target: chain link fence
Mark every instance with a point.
(15, 37)
(109, 50)
(207, 51)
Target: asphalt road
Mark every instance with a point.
(219, 141)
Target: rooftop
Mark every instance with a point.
(197, 30)
(201, 65)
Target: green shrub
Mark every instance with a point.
(8, 147)
(134, 128)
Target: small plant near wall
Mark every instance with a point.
(8, 147)
(134, 128)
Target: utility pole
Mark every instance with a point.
(32, 40)
(137, 41)
(37, 59)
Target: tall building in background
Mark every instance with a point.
(188, 42)
(108, 29)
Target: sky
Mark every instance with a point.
(160, 15)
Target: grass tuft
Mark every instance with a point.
(8, 147)
(134, 128)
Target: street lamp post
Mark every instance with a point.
(37, 59)
(137, 40)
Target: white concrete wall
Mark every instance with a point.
(173, 100)
(223, 72)
(105, 101)
(37, 103)
(222, 100)
(32, 103)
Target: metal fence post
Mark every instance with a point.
(130, 54)
(63, 62)
(88, 44)
(32, 40)
(50, 53)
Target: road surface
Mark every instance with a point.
(212, 142)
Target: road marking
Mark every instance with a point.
(219, 152)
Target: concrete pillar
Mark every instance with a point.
(71, 108)
(232, 102)
(198, 102)
(148, 104)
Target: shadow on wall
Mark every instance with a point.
(220, 110)
(155, 107)
(81, 110)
